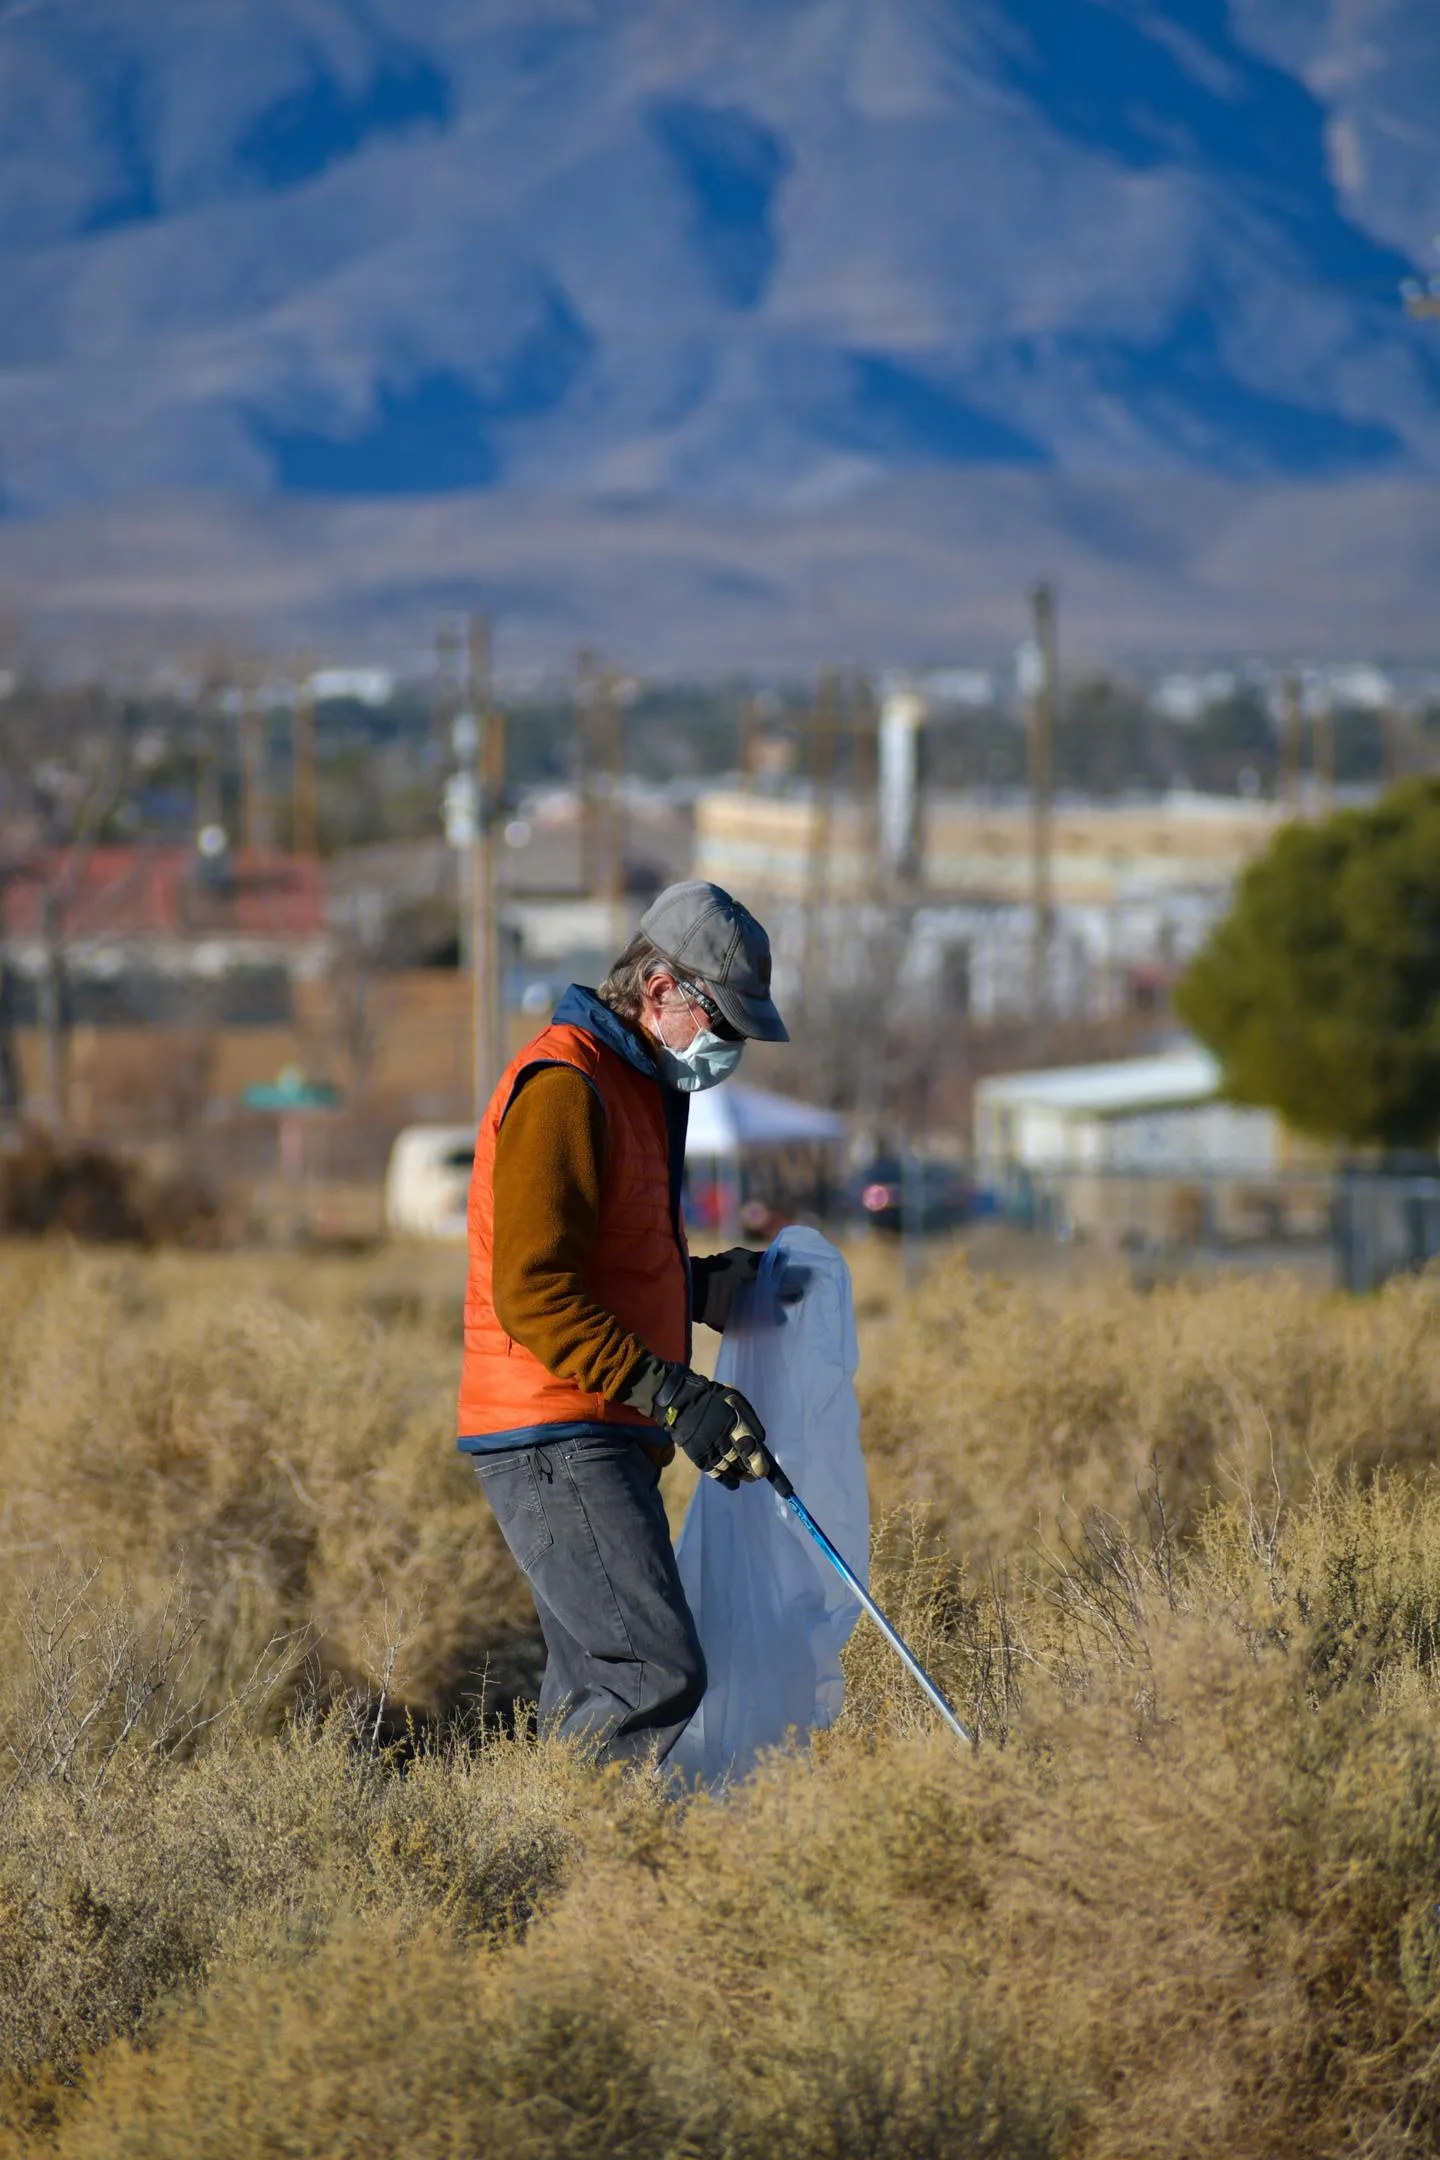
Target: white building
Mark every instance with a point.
(1154, 1115)
(1136, 887)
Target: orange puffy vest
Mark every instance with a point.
(638, 1269)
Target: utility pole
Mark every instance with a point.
(749, 734)
(446, 702)
(255, 833)
(449, 674)
(455, 731)
(612, 755)
(54, 991)
(1040, 745)
(819, 833)
(11, 1086)
(866, 779)
(1389, 743)
(486, 959)
(1290, 745)
(209, 809)
(304, 812)
(1322, 737)
(586, 672)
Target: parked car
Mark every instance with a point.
(428, 1181)
(918, 1193)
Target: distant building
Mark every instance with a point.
(1101, 853)
(1135, 889)
(366, 685)
(567, 906)
(153, 935)
(1144, 1153)
(971, 689)
(1158, 1114)
(1361, 685)
(1184, 697)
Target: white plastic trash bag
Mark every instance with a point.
(773, 1614)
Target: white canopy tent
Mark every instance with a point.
(724, 1121)
(745, 1143)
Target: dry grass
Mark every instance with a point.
(287, 1450)
(1178, 1557)
(1009, 1405)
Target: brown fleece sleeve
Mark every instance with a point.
(549, 1168)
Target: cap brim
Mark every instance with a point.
(756, 1018)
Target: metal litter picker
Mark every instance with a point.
(852, 1581)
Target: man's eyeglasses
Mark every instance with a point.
(719, 1025)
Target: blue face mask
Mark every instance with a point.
(704, 1063)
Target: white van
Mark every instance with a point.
(428, 1181)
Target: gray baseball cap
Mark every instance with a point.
(718, 942)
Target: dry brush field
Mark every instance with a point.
(281, 1875)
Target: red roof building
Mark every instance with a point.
(156, 936)
(161, 895)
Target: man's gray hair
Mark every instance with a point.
(623, 989)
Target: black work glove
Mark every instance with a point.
(716, 1281)
(718, 1429)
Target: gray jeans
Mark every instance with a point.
(585, 1521)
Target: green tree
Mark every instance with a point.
(1233, 735)
(1107, 739)
(1359, 745)
(1320, 991)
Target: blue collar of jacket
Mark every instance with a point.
(581, 1008)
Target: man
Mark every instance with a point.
(576, 1382)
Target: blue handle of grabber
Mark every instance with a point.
(852, 1581)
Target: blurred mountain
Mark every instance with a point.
(752, 256)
